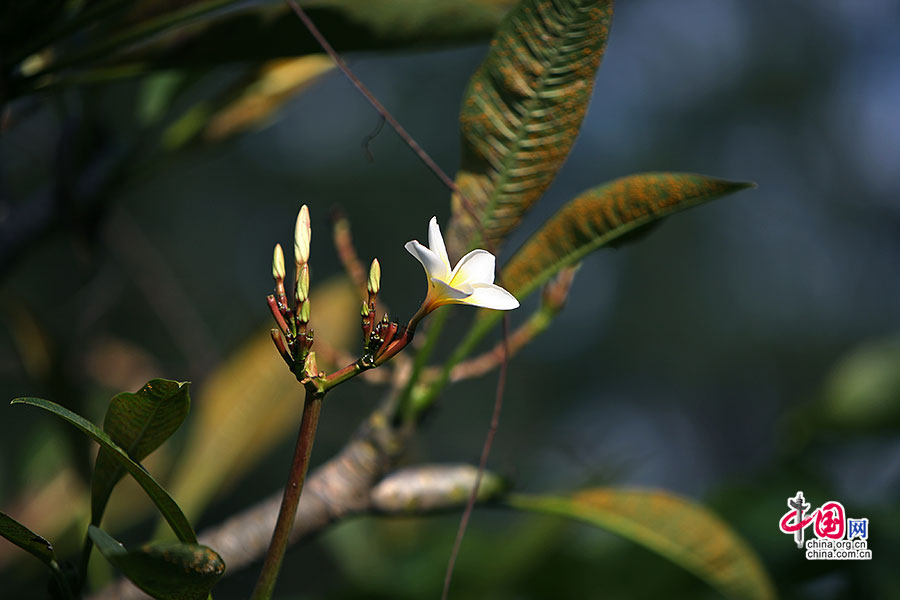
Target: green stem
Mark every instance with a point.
(85, 558)
(417, 404)
(61, 580)
(438, 319)
(265, 585)
(339, 377)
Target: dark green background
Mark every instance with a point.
(692, 361)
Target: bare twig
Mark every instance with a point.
(346, 251)
(493, 358)
(482, 464)
(371, 136)
(554, 299)
(379, 108)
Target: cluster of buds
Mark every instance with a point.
(384, 338)
(470, 282)
(292, 337)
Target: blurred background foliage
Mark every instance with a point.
(739, 353)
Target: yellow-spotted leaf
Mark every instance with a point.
(522, 111)
(678, 529)
(164, 570)
(607, 215)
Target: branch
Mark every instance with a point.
(554, 299)
(337, 489)
(346, 251)
(351, 484)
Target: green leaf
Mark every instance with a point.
(863, 390)
(167, 506)
(680, 530)
(606, 215)
(165, 570)
(138, 423)
(26, 539)
(38, 547)
(522, 112)
(207, 33)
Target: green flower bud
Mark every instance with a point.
(303, 317)
(302, 291)
(374, 283)
(278, 263)
(302, 236)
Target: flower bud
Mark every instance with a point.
(302, 236)
(302, 291)
(303, 315)
(278, 263)
(364, 311)
(374, 283)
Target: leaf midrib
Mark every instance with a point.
(119, 469)
(494, 196)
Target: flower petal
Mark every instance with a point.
(444, 294)
(434, 266)
(475, 267)
(488, 295)
(436, 241)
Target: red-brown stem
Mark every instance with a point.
(281, 296)
(341, 373)
(366, 328)
(278, 338)
(388, 338)
(373, 306)
(291, 499)
(399, 343)
(276, 313)
(343, 243)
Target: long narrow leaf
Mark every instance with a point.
(522, 112)
(680, 530)
(167, 506)
(604, 216)
(213, 32)
(26, 539)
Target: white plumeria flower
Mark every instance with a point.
(471, 281)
